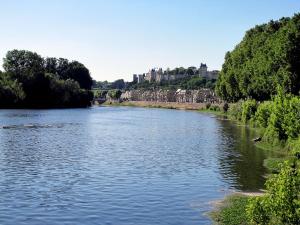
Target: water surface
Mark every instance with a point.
(120, 165)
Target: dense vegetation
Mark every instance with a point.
(105, 85)
(232, 211)
(268, 56)
(267, 63)
(279, 121)
(31, 81)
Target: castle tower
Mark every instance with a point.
(203, 70)
(135, 78)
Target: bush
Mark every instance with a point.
(207, 105)
(248, 110)
(225, 107)
(291, 121)
(256, 211)
(232, 211)
(115, 94)
(215, 108)
(284, 120)
(263, 113)
(281, 204)
(235, 111)
(100, 93)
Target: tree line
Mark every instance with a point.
(267, 57)
(31, 81)
(193, 82)
(262, 77)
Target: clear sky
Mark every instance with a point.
(117, 38)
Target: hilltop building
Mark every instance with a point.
(135, 78)
(203, 72)
(158, 75)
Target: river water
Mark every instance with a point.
(121, 165)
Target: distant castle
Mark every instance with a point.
(158, 75)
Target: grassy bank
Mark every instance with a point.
(231, 210)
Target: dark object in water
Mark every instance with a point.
(31, 126)
(257, 139)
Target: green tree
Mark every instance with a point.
(281, 204)
(26, 83)
(118, 84)
(267, 56)
(69, 70)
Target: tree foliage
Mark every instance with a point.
(280, 119)
(281, 203)
(115, 93)
(69, 70)
(268, 56)
(11, 91)
(31, 81)
(118, 84)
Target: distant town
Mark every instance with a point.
(159, 75)
(179, 77)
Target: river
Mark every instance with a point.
(121, 165)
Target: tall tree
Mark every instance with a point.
(267, 57)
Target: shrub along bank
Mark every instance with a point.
(279, 121)
(268, 57)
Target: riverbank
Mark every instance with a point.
(232, 209)
(166, 105)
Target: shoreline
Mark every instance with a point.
(234, 202)
(165, 105)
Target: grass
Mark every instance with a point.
(273, 164)
(270, 147)
(232, 211)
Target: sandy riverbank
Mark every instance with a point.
(167, 105)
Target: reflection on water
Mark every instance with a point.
(111, 165)
(240, 159)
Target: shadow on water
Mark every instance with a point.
(240, 158)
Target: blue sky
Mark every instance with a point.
(117, 38)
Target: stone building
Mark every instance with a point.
(135, 78)
(141, 78)
(203, 95)
(158, 75)
(203, 72)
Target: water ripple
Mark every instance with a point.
(120, 165)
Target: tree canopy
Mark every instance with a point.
(267, 57)
(31, 81)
